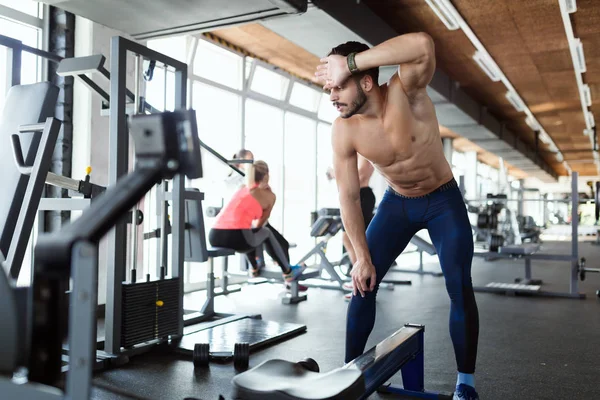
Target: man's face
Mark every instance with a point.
(348, 98)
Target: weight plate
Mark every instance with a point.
(482, 221)
(241, 356)
(201, 356)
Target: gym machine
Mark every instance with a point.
(36, 317)
(529, 252)
(127, 336)
(327, 223)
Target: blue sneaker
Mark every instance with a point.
(294, 274)
(465, 392)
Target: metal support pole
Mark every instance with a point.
(225, 277)
(545, 209)
(208, 309)
(164, 237)
(82, 324)
(527, 269)
(574, 233)
(178, 204)
(14, 56)
(134, 226)
(520, 197)
(118, 166)
(243, 105)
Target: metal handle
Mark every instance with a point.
(18, 154)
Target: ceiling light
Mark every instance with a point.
(579, 56)
(571, 6)
(586, 94)
(544, 138)
(591, 122)
(567, 167)
(488, 66)
(532, 123)
(515, 100)
(445, 12)
(559, 157)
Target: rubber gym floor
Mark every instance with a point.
(529, 347)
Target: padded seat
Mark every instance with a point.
(285, 380)
(214, 252)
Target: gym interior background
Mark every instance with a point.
(515, 92)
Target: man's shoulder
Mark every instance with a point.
(341, 126)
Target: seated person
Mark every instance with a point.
(241, 223)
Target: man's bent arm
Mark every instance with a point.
(346, 172)
(414, 51)
(404, 49)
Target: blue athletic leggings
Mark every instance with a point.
(398, 218)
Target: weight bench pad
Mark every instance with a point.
(285, 380)
(219, 252)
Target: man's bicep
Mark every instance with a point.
(346, 172)
(344, 160)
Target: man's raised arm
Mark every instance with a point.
(414, 53)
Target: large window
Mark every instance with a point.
(218, 65)
(304, 97)
(16, 22)
(218, 114)
(327, 111)
(300, 176)
(327, 193)
(175, 47)
(270, 83)
(264, 137)
(30, 7)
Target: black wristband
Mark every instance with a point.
(352, 64)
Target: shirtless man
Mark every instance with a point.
(395, 127)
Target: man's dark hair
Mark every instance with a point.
(356, 47)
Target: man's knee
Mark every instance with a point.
(458, 288)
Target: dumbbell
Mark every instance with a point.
(241, 355)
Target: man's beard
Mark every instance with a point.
(357, 104)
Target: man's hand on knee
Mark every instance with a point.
(363, 277)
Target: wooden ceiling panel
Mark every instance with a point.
(539, 23)
(586, 20)
(553, 61)
(561, 85)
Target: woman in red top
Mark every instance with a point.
(241, 223)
